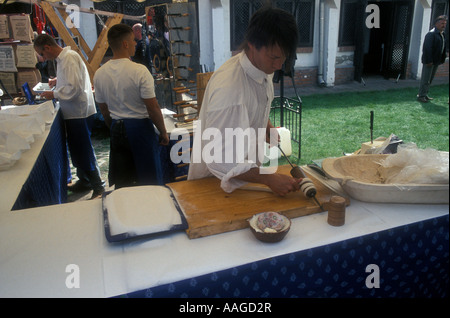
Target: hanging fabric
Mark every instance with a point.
(39, 19)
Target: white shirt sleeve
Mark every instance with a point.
(234, 159)
(98, 92)
(70, 82)
(147, 84)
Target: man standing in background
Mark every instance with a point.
(142, 52)
(434, 53)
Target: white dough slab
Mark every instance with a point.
(141, 210)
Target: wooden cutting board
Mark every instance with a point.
(209, 210)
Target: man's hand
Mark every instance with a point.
(154, 112)
(47, 95)
(164, 139)
(282, 184)
(52, 82)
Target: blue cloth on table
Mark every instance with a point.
(69, 171)
(413, 261)
(47, 182)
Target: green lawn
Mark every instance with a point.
(336, 123)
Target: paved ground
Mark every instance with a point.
(375, 83)
(101, 144)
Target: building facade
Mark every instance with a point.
(340, 40)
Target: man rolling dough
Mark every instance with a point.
(239, 96)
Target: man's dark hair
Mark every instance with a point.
(439, 18)
(117, 33)
(44, 39)
(270, 26)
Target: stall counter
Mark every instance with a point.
(61, 250)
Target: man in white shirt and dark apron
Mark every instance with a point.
(125, 93)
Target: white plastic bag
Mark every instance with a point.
(413, 165)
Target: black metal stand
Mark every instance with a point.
(279, 78)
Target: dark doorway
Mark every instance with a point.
(375, 50)
(384, 50)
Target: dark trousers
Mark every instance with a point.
(81, 151)
(428, 73)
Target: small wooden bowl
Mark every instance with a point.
(19, 101)
(269, 237)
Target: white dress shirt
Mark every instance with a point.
(73, 86)
(238, 95)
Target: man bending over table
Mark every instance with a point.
(238, 96)
(72, 87)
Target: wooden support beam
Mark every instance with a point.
(95, 56)
(64, 33)
(102, 43)
(62, 5)
(75, 32)
(99, 12)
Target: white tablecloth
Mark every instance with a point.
(12, 180)
(37, 245)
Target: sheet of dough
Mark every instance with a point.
(141, 210)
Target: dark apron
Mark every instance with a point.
(134, 156)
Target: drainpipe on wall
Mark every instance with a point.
(320, 79)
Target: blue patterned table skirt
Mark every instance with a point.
(47, 182)
(412, 261)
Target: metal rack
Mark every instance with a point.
(175, 56)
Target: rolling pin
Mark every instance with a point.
(306, 185)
